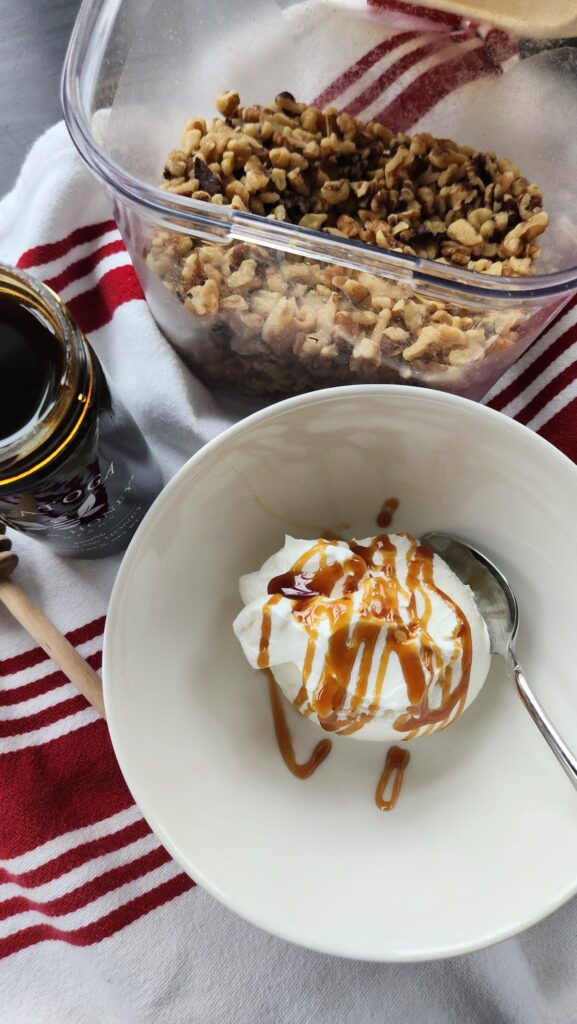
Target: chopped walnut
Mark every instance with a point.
(283, 322)
(335, 192)
(244, 277)
(434, 340)
(366, 350)
(202, 299)
(227, 103)
(464, 233)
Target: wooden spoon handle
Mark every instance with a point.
(51, 640)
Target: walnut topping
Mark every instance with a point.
(281, 322)
(424, 196)
(207, 180)
(463, 232)
(227, 103)
(203, 299)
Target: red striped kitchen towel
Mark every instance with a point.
(97, 923)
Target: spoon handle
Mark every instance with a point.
(53, 642)
(548, 731)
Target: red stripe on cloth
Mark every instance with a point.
(377, 88)
(52, 681)
(432, 86)
(412, 11)
(541, 363)
(95, 308)
(40, 719)
(363, 64)
(502, 44)
(61, 786)
(567, 376)
(106, 925)
(85, 266)
(518, 386)
(77, 856)
(85, 894)
(28, 659)
(561, 430)
(41, 254)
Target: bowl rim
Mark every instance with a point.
(92, 29)
(191, 469)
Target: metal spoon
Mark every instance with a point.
(498, 606)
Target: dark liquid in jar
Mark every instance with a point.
(31, 364)
(86, 487)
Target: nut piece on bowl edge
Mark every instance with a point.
(267, 323)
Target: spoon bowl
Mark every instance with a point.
(493, 594)
(497, 604)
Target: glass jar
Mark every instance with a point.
(75, 470)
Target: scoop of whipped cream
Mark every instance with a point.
(376, 638)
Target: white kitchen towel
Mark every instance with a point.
(97, 924)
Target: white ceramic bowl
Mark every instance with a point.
(483, 841)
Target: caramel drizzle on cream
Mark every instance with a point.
(353, 646)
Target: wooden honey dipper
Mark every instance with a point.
(44, 631)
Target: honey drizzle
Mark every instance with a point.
(385, 516)
(451, 699)
(284, 739)
(265, 631)
(396, 762)
(348, 649)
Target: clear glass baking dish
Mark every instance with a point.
(136, 72)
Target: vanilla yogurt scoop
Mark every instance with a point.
(376, 638)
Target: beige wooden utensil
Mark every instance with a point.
(537, 18)
(44, 631)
